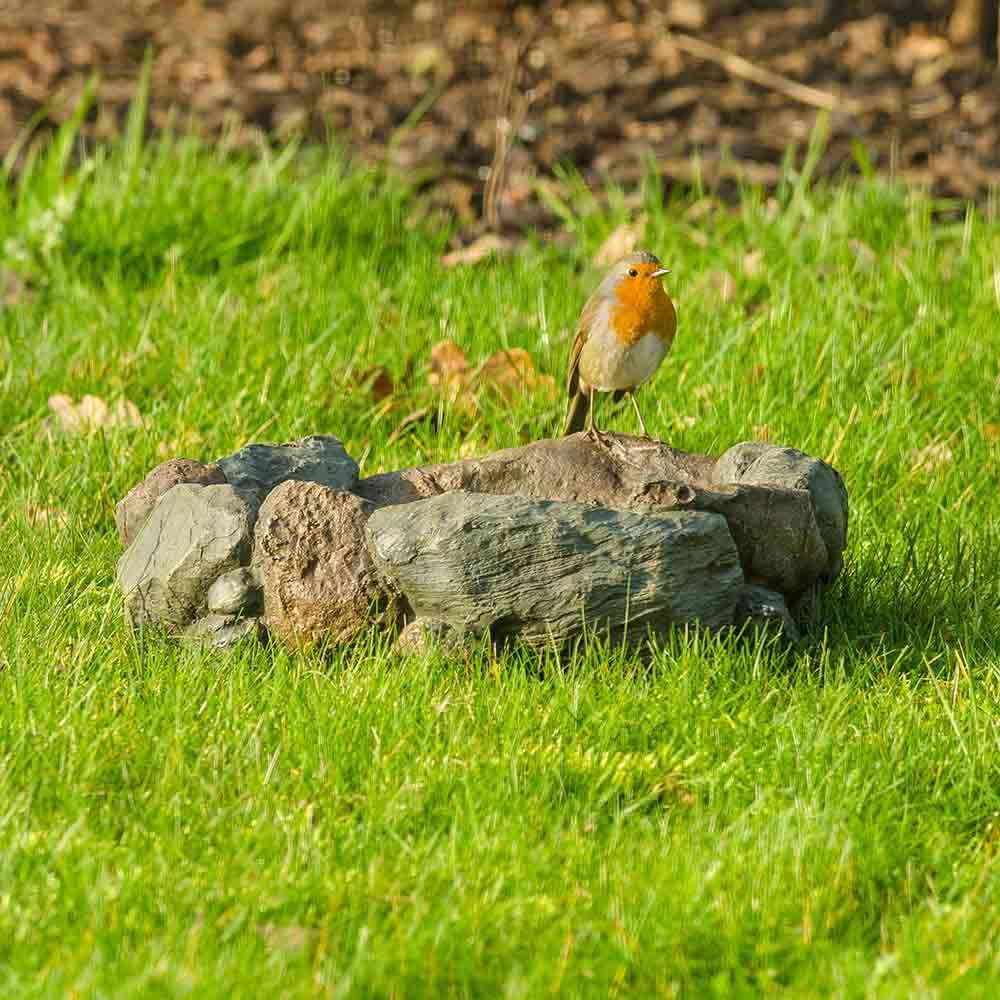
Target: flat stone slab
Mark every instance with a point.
(541, 570)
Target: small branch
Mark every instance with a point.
(746, 70)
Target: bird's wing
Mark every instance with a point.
(588, 316)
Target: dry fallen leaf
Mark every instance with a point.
(512, 372)
(931, 456)
(863, 253)
(724, 284)
(13, 288)
(753, 263)
(622, 240)
(449, 370)
(286, 937)
(477, 250)
(93, 412)
(447, 361)
(377, 381)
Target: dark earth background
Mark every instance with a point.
(478, 101)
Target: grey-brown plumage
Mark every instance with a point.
(625, 328)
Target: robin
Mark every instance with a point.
(624, 332)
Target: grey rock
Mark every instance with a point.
(757, 464)
(541, 570)
(222, 631)
(133, 509)
(236, 592)
(259, 468)
(765, 610)
(318, 577)
(420, 637)
(774, 528)
(193, 535)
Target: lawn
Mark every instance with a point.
(724, 820)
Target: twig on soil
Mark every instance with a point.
(738, 66)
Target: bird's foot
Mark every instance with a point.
(594, 435)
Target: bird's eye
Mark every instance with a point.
(633, 273)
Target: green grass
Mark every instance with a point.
(727, 820)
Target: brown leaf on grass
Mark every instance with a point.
(377, 381)
(507, 373)
(863, 254)
(621, 241)
(512, 373)
(724, 285)
(13, 288)
(931, 457)
(477, 250)
(449, 372)
(286, 937)
(448, 360)
(991, 431)
(753, 263)
(93, 412)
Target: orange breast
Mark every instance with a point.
(643, 307)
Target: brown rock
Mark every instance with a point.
(318, 578)
(133, 509)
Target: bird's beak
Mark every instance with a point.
(660, 272)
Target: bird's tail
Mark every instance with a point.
(576, 412)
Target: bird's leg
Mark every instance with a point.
(638, 413)
(592, 432)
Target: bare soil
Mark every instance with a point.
(477, 101)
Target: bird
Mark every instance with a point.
(624, 332)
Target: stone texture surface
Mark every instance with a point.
(512, 566)
(765, 610)
(756, 464)
(133, 509)
(236, 592)
(318, 577)
(774, 528)
(259, 468)
(222, 631)
(617, 474)
(193, 535)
